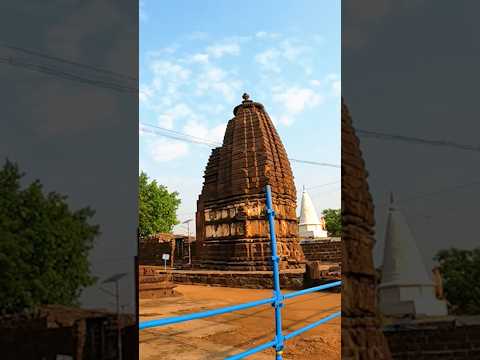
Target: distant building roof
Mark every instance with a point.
(160, 237)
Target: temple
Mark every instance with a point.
(362, 336)
(309, 225)
(231, 230)
(406, 288)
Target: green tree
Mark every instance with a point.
(157, 207)
(333, 221)
(44, 245)
(460, 270)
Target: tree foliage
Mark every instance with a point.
(333, 221)
(44, 245)
(157, 207)
(460, 271)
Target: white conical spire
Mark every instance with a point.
(406, 287)
(402, 261)
(308, 214)
(309, 223)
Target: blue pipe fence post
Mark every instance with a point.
(278, 304)
(277, 301)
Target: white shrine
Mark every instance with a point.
(309, 224)
(405, 288)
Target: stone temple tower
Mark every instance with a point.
(232, 233)
(362, 336)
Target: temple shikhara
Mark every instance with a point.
(362, 336)
(231, 231)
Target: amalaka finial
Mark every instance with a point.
(245, 97)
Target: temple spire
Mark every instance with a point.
(309, 224)
(403, 268)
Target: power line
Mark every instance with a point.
(314, 163)
(322, 185)
(182, 136)
(434, 193)
(57, 72)
(176, 135)
(409, 139)
(67, 61)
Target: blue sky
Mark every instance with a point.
(198, 57)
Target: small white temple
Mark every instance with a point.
(309, 225)
(406, 288)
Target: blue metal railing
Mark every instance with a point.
(277, 301)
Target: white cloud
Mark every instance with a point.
(315, 82)
(166, 121)
(291, 51)
(218, 132)
(286, 120)
(334, 83)
(337, 88)
(173, 70)
(332, 77)
(218, 80)
(295, 100)
(200, 58)
(179, 111)
(269, 59)
(196, 129)
(145, 94)
(167, 150)
(200, 130)
(266, 35)
(227, 48)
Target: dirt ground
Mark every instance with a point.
(225, 335)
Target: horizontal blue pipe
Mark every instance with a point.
(312, 289)
(201, 315)
(252, 351)
(311, 326)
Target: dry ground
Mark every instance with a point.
(224, 335)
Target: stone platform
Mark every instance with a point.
(153, 285)
(289, 279)
(156, 289)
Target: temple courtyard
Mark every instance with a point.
(221, 336)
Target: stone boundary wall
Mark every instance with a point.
(150, 253)
(291, 279)
(326, 250)
(446, 340)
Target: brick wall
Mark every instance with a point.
(150, 253)
(322, 250)
(446, 340)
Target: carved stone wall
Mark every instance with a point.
(362, 337)
(232, 232)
